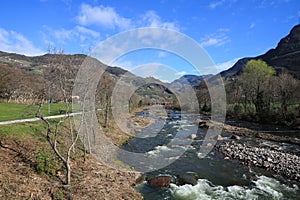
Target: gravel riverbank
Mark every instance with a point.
(282, 163)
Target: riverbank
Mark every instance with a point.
(30, 170)
(278, 161)
(247, 130)
(282, 163)
(23, 175)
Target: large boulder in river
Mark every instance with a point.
(187, 179)
(160, 181)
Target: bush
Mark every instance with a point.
(46, 163)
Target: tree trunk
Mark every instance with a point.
(68, 176)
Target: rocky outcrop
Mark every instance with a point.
(283, 163)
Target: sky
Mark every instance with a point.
(226, 30)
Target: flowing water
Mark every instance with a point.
(217, 178)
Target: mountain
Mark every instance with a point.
(284, 58)
(187, 80)
(24, 77)
(36, 63)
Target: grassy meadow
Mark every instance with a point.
(14, 111)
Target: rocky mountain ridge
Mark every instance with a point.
(284, 58)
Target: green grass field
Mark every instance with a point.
(13, 111)
(23, 129)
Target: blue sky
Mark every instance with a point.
(226, 29)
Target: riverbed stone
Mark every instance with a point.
(159, 181)
(219, 138)
(193, 136)
(187, 179)
(235, 137)
(280, 162)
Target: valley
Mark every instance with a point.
(113, 147)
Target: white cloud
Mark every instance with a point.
(218, 3)
(252, 25)
(215, 4)
(103, 16)
(78, 33)
(162, 54)
(11, 41)
(216, 39)
(151, 19)
(179, 74)
(156, 70)
(226, 65)
(210, 42)
(86, 31)
(63, 34)
(108, 17)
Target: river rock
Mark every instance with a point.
(219, 138)
(187, 179)
(280, 162)
(209, 144)
(235, 137)
(203, 124)
(193, 136)
(159, 181)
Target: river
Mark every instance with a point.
(217, 178)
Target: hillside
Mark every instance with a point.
(187, 80)
(284, 58)
(193, 80)
(25, 77)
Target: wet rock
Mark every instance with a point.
(209, 144)
(159, 181)
(193, 136)
(219, 138)
(235, 137)
(203, 124)
(187, 179)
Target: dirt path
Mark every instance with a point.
(37, 119)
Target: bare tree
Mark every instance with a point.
(60, 134)
(53, 138)
(286, 87)
(203, 97)
(103, 97)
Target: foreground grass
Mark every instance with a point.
(14, 111)
(23, 130)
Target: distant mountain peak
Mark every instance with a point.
(284, 58)
(188, 79)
